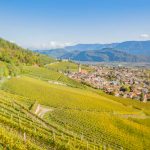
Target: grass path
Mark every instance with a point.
(41, 110)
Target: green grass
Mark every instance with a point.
(145, 122)
(49, 75)
(55, 95)
(145, 107)
(96, 117)
(67, 66)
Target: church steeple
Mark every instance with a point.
(79, 67)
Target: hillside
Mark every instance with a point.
(53, 53)
(67, 66)
(14, 54)
(20, 129)
(13, 58)
(96, 118)
(50, 75)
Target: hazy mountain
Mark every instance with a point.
(54, 53)
(57, 53)
(130, 48)
(135, 47)
(106, 55)
(86, 47)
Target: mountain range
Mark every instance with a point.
(129, 51)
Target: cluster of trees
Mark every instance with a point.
(12, 57)
(12, 53)
(7, 69)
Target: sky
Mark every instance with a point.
(45, 24)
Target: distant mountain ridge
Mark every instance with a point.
(131, 47)
(105, 55)
(135, 47)
(139, 50)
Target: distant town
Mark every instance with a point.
(121, 81)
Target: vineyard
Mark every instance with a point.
(42, 109)
(23, 130)
(47, 75)
(66, 66)
(80, 118)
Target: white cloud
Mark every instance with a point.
(12, 41)
(54, 44)
(145, 36)
(50, 45)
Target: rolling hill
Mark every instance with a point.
(66, 66)
(102, 121)
(50, 75)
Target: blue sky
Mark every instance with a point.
(55, 23)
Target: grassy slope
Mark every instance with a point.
(49, 75)
(54, 95)
(86, 112)
(16, 121)
(145, 107)
(3, 68)
(65, 66)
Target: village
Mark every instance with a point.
(126, 82)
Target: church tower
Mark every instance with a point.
(79, 68)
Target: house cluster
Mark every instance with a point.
(119, 81)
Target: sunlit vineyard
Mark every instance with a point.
(21, 129)
(101, 121)
(46, 75)
(66, 66)
(145, 107)
(54, 95)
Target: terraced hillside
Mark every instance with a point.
(23, 130)
(93, 117)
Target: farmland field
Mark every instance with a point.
(91, 115)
